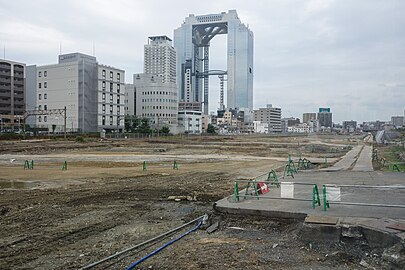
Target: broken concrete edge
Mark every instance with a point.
(254, 212)
(327, 232)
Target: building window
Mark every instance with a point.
(39, 96)
(45, 108)
(103, 74)
(111, 98)
(45, 73)
(111, 120)
(118, 77)
(45, 85)
(111, 108)
(45, 117)
(111, 87)
(103, 96)
(39, 119)
(118, 88)
(39, 85)
(111, 75)
(103, 108)
(39, 107)
(103, 120)
(45, 96)
(103, 85)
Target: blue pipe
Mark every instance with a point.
(164, 246)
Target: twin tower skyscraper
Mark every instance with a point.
(192, 42)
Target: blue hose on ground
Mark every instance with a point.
(164, 246)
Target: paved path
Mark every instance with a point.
(347, 160)
(364, 162)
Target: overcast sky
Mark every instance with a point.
(348, 55)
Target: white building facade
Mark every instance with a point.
(84, 87)
(160, 58)
(156, 100)
(111, 99)
(190, 122)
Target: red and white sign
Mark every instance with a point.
(262, 187)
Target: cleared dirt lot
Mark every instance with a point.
(105, 203)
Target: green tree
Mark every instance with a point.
(144, 127)
(165, 130)
(211, 129)
(132, 123)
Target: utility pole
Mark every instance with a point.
(158, 125)
(64, 117)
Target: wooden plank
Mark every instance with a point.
(322, 220)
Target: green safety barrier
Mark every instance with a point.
(64, 166)
(144, 166)
(272, 179)
(304, 164)
(291, 163)
(250, 183)
(29, 165)
(375, 155)
(395, 168)
(288, 171)
(175, 165)
(235, 192)
(254, 185)
(325, 201)
(315, 196)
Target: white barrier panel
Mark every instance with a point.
(287, 190)
(333, 194)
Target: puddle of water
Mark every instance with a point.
(16, 185)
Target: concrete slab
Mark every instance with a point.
(271, 204)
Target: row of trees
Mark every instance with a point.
(134, 124)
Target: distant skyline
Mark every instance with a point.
(343, 54)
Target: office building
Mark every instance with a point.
(349, 126)
(192, 42)
(155, 91)
(111, 99)
(288, 122)
(270, 115)
(190, 122)
(130, 99)
(12, 93)
(325, 117)
(397, 121)
(160, 58)
(306, 117)
(155, 100)
(92, 94)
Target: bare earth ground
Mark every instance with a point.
(67, 219)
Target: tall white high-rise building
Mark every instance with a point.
(153, 94)
(192, 42)
(160, 58)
